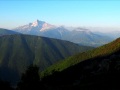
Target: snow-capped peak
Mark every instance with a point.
(35, 26)
(42, 25)
(46, 26)
(37, 23)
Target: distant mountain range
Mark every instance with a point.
(77, 35)
(17, 52)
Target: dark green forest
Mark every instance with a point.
(100, 72)
(17, 52)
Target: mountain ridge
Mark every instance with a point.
(102, 51)
(77, 35)
(36, 25)
(97, 69)
(17, 52)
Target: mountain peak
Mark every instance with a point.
(42, 25)
(37, 23)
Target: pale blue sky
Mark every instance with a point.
(104, 13)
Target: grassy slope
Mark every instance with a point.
(99, 70)
(73, 60)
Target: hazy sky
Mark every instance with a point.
(104, 13)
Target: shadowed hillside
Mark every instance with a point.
(102, 51)
(17, 52)
(98, 69)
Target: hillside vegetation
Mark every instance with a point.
(97, 69)
(17, 52)
(102, 51)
